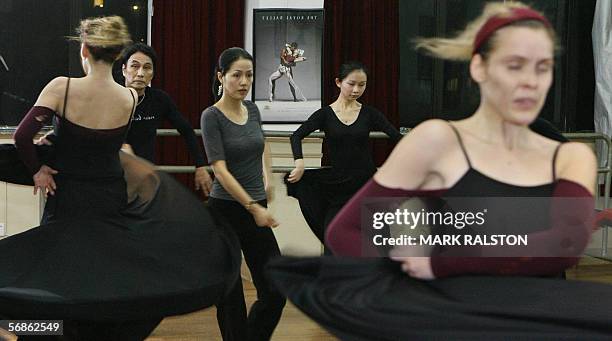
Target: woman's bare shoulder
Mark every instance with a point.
(417, 154)
(577, 162)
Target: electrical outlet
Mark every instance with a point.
(2, 230)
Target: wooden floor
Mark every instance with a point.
(202, 325)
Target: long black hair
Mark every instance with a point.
(226, 59)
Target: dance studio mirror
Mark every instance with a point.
(33, 48)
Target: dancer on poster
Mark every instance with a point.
(290, 55)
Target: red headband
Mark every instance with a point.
(497, 22)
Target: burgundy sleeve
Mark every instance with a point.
(344, 232)
(31, 124)
(569, 233)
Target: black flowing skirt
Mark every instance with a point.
(371, 299)
(161, 254)
(323, 189)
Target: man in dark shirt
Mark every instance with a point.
(138, 64)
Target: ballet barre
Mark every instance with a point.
(605, 169)
(191, 169)
(275, 133)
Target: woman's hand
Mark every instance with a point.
(262, 216)
(203, 180)
(295, 175)
(43, 179)
(297, 172)
(44, 141)
(416, 267)
(126, 148)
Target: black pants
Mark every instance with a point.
(258, 245)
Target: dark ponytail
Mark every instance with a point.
(226, 59)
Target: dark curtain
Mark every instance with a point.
(188, 36)
(367, 31)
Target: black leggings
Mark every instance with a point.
(258, 245)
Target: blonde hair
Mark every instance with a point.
(104, 36)
(460, 47)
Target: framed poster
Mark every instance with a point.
(288, 53)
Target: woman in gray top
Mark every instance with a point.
(234, 143)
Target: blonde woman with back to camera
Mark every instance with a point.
(114, 254)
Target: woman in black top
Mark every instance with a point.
(489, 156)
(347, 125)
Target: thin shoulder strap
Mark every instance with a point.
(129, 124)
(467, 158)
(554, 161)
(133, 104)
(66, 98)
